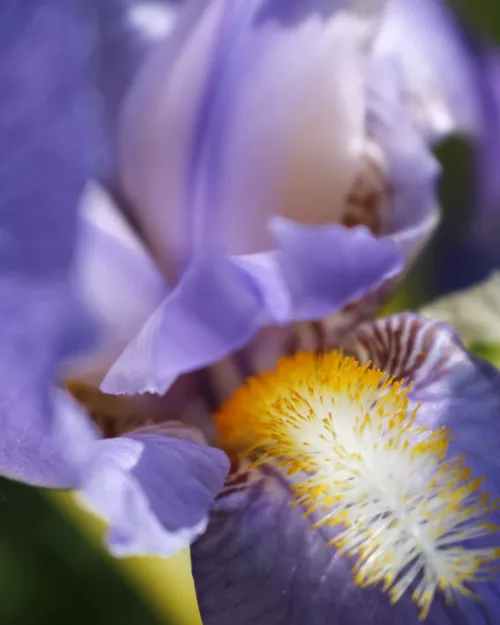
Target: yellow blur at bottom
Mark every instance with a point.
(166, 584)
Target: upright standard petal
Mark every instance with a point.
(47, 125)
(154, 487)
(451, 78)
(228, 126)
(126, 32)
(411, 170)
(425, 40)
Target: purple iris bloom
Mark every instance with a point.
(243, 190)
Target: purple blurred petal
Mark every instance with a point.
(412, 170)
(46, 128)
(220, 304)
(154, 488)
(239, 127)
(330, 266)
(488, 141)
(426, 41)
(51, 455)
(127, 32)
(166, 97)
(213, 310)
(261, 563)
(452, 80)
(117, 279)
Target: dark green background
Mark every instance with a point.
(49, 575)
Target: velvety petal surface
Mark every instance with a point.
(261, 562)
(47, 124)
(228, 126)
(221, 303)
(154, 487)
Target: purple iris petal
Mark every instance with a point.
(412, 170)
(154, 489)
(455, 389)
(228, 126)
(327, 267)
(213, 310)
(220, 304)
(260, 562)
(487, 180)
(452, 79)
(127, 32)
(47, 124)
(117, 279)
(438, 68)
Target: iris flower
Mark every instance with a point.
(192, 187)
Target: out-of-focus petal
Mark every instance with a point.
(452, 81)
(436, 63)
(261, 563)
(154, 488)
(326, 267)
(47, 124)
(53, 454)
(213, 310)
(117, 279)
(411, 169)
(488, 141)
(126, 33)
(394, 192)
(229, 125)
(220, 304)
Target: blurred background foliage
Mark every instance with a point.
(54, 573)
(50, 574)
